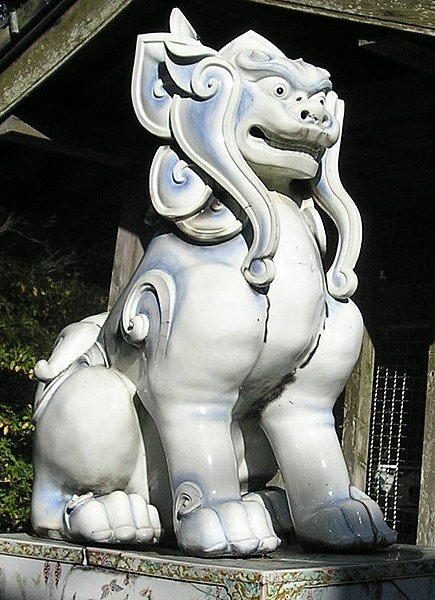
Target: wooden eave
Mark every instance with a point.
(85, 18)
(74, 28)
(406, 15)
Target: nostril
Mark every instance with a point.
(305, 114)
(257, 133)
(325, 119)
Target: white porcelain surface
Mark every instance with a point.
(225, 354)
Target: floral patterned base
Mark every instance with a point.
(34, 569)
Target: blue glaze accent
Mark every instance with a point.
(246, 100)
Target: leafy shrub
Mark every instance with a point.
(40, 293)
(15, 464)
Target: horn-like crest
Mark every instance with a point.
(251, 41)
(179, 25)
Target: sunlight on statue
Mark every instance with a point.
(222, 359)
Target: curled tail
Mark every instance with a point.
(75, 346)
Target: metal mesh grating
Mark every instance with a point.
(396, 432)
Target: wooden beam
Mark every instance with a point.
(5, 38)
(133, 234)
(16, 131)
(128, 254)
(356, 417)
(403, 51)
(23, 16)
(406, 15)
(79, 24)
(426, 512)
(15, 126)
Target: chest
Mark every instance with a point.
(296, 300)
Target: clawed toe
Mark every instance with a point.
(384, 536)
(350, 525)
(115, 518)
(233, 528)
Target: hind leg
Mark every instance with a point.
(257, 467)
(90, 474)
(327, 512)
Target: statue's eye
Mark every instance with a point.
(280, 90)
(321, 97)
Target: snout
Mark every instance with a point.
(320, 125)
(312, 111)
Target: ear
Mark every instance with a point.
(163, 66)
(183, 50)
(181, 60)
(151, 100)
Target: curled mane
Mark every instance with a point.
(186, 92)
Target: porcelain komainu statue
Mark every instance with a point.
(222, 359)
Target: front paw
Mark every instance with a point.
(232, 528)
(115, 518)
(352, 524)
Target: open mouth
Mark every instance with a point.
(282, 144)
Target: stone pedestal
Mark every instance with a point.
(35, 569)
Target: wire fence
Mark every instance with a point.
(397, 425)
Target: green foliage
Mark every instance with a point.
(15, 466)
(39, 295)
(36, 301)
